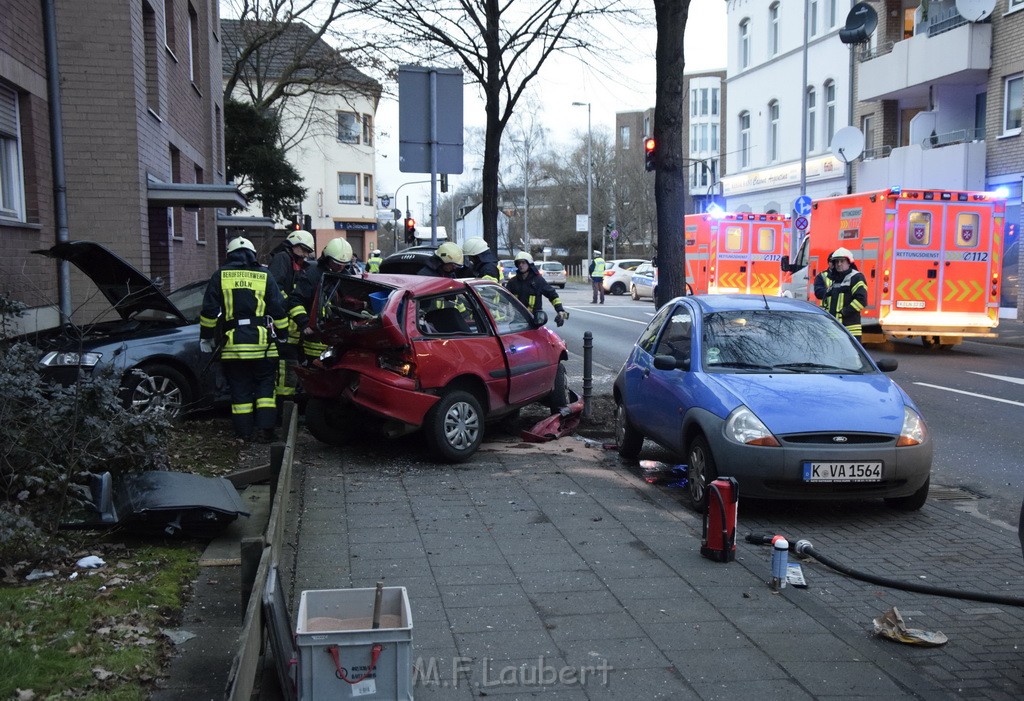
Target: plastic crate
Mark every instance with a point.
(335, 638)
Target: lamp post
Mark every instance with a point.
(526, 194)
(590, 243)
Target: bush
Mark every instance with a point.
(51, 437)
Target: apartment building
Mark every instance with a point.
(142, 137)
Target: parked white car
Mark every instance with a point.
(618, 273)
(553, 272)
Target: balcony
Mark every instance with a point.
(950, 164)
(961, 55)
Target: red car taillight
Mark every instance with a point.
(398, 364)
(609, 273)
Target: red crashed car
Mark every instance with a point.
(410, 352)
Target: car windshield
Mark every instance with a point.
(553, 267)
(762, 341)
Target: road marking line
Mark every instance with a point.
(970, 394)
(609, 316)
(1004, 378)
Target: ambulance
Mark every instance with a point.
(735, 252)
(931, 258)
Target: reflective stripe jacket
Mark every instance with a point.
(373, 264)
(597, 267)
(250, 307)
(530, 289)
(844, 297)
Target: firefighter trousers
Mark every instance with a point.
(251, 385)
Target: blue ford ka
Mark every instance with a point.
(776, 393)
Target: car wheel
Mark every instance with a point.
(454, 427)
(329, 421)
(627, 438)
(618, 288)
(562, 286)
(559, 396)
(914, 502)
(700, 472)
(633, 293)
(156, 388)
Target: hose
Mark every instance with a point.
(804, 548)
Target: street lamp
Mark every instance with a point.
(590, 244)
(526, 194)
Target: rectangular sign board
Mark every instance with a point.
(419, 127)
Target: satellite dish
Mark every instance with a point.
(975, 10)
(860, 24)
(848, 144)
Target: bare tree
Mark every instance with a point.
(502, 45)
(670, 170)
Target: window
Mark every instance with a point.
(919, 229)
(624, 138)
(703, 138)
(348, 127)
(765, 240)
(1012, 104)
(1014, 5)
(676, 338)
(830, 14)
(200, 229)
(193, 43)
(454, 314)
(367, 130)
(348, 188)
(509, 316)
(967, 230)
(734, 238)
(169, 41)
(830, 111)
(773, 131)
(693, 102)
(744, 44)
(12, 186)
(812, 19)
(812, 126)
(714, 101)
(693, 138)
(368, 189)
(773, 29)
(149, 36)
(650, 334)
(714, 137)
(867, 127)
(704, 109)
(744, 139)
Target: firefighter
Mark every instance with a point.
(374, 261)
(243, 295)
(288, 262)
(529, 286)
(446, 261)
(480, 260)
(596, 269)
(337, 258)
(843, 291)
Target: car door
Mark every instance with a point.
(666, 390)
(640, 406)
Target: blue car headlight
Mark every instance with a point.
(55, 359)
(744, 427)
(914, 431)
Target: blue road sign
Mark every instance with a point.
(802, 205)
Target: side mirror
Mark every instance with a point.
(887, 364)
(669, 362)
(540, 318)
(784, 264)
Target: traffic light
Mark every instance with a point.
(649, 153)
(307, 223)
(295, 222)
(410, 230)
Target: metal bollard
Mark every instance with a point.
(588, 371)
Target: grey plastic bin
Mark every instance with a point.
(337, 623)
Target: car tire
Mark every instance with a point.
(559, 396)
(629, 440)
(562, 286)
(618, 288)
(156, 388)
(633, 293)
(329, 421)
(454, 427)
(700, 473)
(913, 502)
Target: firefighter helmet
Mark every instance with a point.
(523, 255)
(240, 242)
(338, 251)
(474, 246)
(449, 252)
(301, 238)
(841, 253)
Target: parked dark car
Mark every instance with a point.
(408, 352)
(776, 393)
(152, 343)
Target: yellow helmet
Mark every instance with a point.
(474, 246)
(338, 250)
(523, 255)
(240, 242)
(301, 238)
(449, 252)
(841, 253)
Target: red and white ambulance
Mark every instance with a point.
(735, 252)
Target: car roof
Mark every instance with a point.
(738, 302)
(418, 285)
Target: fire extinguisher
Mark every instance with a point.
(718, 542)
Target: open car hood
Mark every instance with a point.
(128, 291)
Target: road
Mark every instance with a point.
(972, 398)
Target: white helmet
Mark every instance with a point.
(597, 254)
(375, 252)
(449, 252)
(338, 250)
(523, 255)
(301, 238)
(474, 246)
(841, 253)
(240, 242)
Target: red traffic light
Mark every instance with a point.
(410, 224)
(649, 145)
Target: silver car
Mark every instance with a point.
(553, 272)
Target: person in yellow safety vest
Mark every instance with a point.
(597, 268)
(374, 261)
(529, 286)
(243, 295)
(291, 258)
(843, 291)
(480, 260)
(337, 258)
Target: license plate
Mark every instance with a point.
(842, 471)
